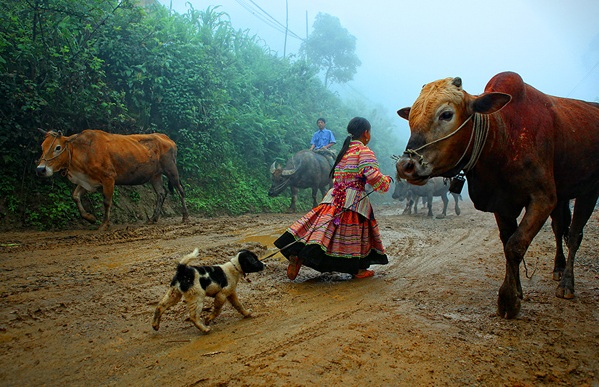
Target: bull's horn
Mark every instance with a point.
(273, 167)
(42, 131)
(288, 172)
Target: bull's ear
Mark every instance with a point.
(404, 113)
(490, 102)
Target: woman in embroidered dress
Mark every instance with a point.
(341, 233)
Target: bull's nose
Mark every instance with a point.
(40, 171)
(405, 167)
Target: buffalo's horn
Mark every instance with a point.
(288, 172)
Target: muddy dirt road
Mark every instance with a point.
(76, 307)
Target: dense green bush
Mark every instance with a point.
(231, 105)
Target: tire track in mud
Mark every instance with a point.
(424, 319)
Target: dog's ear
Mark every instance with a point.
(249, 262)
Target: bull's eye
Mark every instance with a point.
(446, 116)
(57, 148)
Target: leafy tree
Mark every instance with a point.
(332, 48)
(231, 104)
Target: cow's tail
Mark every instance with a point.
(185, 260)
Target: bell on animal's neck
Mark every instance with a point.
(457, 183)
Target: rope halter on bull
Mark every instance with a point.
(64, 148)
(480, 130)
(50, 148)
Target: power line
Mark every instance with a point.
(583, 79)
(266, 18)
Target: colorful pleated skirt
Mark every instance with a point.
(327, 241)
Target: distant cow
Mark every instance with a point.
(94, 159)
(435, 186)
(520, 149)
(306, 169)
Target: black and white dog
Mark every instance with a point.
(194, 283)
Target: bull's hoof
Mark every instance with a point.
(185, 219)
(89, 217)
(104, 227)
(557, 275)
(508, 307)
(458, 212)
(561, 292)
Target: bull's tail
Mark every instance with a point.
(185, 260)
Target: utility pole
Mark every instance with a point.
(306, 29)
(286, 27)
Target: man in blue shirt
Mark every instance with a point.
(323, 139)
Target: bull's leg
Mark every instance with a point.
(160, 196)
(582, 212)
(107, 191)
(79, 190)
(508, 302)
(408, 208)
(456, 197)
(175, 182)
(516, 241)
(171, 298)
(294, 192)
(445, 204)
(314, 192)
(560, 220)
(429, 203)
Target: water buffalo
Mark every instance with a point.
(306, 169)
(520, 149)
(93, 159)
(435, 186)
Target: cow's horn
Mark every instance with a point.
(457, 82)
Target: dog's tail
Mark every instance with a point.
(185, 260)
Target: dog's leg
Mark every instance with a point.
(237, 305)
(219, 301)
(171, 298)
(195, 302)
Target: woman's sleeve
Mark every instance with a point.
(369, 168)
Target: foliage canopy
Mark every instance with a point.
(332, 48)
(231, 105)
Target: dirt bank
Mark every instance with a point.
(76, 307)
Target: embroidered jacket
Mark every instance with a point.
(357, 168)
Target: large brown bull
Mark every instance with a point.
(94, 159)
(520, 149)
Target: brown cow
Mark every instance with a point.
(93, 159)
(520, 149)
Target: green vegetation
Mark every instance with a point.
(231, 105)
(332, 49)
